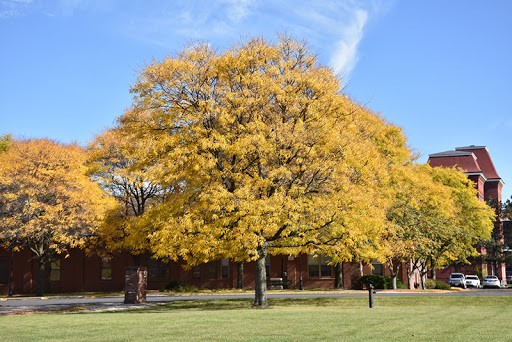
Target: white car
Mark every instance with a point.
(472, 281)
(491, 281)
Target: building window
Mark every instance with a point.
(210, 270)
(224, 268)
(196, 272)
(4, 270)
(157, 269)
(377, 268)
(106, 269)
(318, 266)
(55, 270)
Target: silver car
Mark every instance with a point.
(457, 279)
(472, 281)
(491, 281)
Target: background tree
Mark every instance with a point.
(110, 160)
(436, 219)
(48, 203)
(264, 154)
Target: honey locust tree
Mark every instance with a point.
(267, 155)
(435, 218)
(473, 220)
(48, 202)
(417, 218)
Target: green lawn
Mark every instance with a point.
(341, 319)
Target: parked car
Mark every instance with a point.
(457, 279)
(491, 281)
(509, 279)
(472, 281)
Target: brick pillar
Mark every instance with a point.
(135, 285)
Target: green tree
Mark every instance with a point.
(264, 154)
(48, 203)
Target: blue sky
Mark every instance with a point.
(441, 70)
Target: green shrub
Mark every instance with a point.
(378, 281)
(399, 284)
(430, 284)
(441, 285)
(437, 284)
(180, 286)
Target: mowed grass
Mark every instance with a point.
(323, 319)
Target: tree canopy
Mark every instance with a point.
(436, 218)
(263, 153)
(48, 203)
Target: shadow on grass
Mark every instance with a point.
(244, 304)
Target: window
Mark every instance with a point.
(377, 268)
(106, 269)
(157, 269)
(55, 270)
(210, 270)
(196, 273)
(224, 268)
(4, 270)
(318, 266)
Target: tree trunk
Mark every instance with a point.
(395, 267)
(410, 274)
(338, 280)
(43, 276)
(260, 296)
(393, 281)
(240, 275)
(434, 269)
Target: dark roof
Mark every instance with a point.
(470, 147)
(450, 154)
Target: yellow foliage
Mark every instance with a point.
(261, 149)
(48, 201)
(436, 216)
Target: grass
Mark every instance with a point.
(322, 319)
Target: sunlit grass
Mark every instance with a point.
(322, 319)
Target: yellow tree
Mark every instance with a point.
(48, 202)
(435, 218)
(265, 153)
(473, 220)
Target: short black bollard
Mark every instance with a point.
(371, 291)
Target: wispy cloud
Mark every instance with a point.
(11, 8)
(333, 28)
(345, 55)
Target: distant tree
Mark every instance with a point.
(506, 209)
(111, 158)
(436, 219)
(48, 203)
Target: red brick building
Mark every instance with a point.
(478, 166)
(82, 273)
